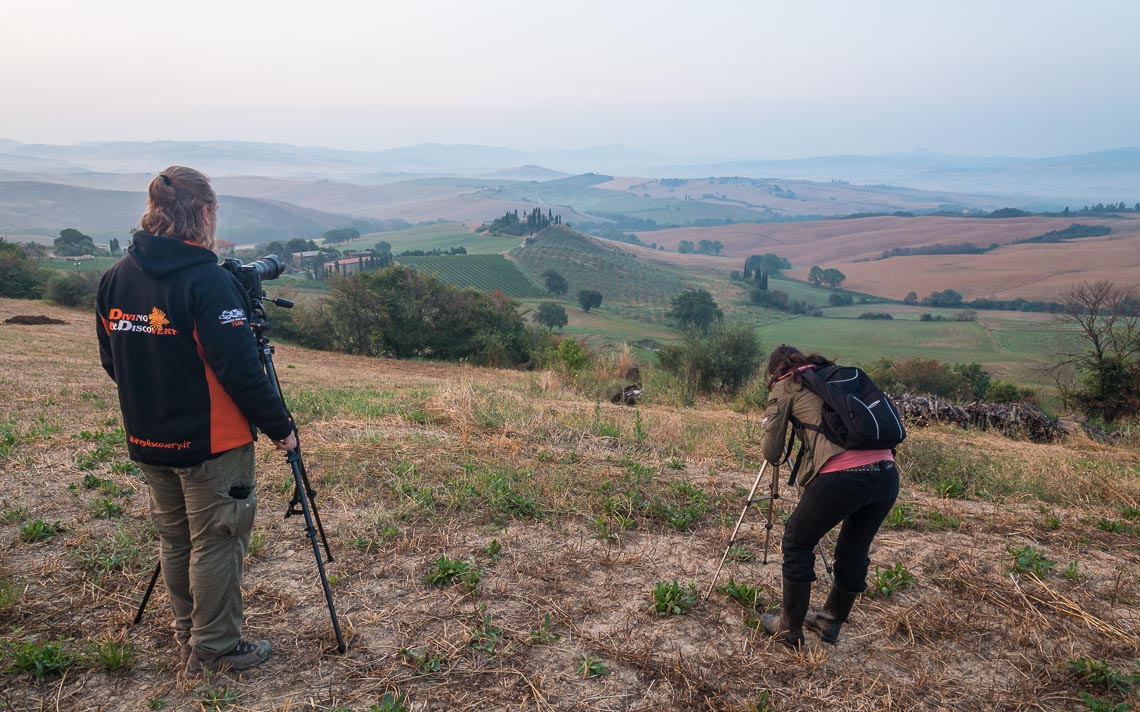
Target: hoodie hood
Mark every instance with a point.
(162, 256)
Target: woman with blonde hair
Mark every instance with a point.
(174, 335)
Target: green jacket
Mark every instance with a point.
(790, 399)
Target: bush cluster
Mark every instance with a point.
(959, 382)
(725, 358)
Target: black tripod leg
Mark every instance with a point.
(300, 478)
(311, 494)
(149, 590)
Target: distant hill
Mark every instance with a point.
(1103, 176)
(39, 207)
(589, 263)
(524, 173)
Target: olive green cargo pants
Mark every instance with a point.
(204, 515)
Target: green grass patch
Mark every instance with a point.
(311, 404)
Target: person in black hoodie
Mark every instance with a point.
(174, 335)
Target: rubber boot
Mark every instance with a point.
(788, 627)
(834, 614)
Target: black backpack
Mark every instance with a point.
(856, 414)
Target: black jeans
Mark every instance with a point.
(859, 499)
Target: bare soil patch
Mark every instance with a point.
(28, 320)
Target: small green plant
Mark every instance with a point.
(600, 427)
(1112, 526)
(1099, 672)
(951, 488)
(8, 439)
(762, 703)
(743, 593)
(449, 572)
(363, 543)
(257, 544)
(1028, 559)
(900, 517)
(1129, 512)
(886, 582)
(486, 636)
(390, 702)
(424, 661)
(218, 698)
(739, 554)
(545, 633)
(123, 551)
(937, 520)
(602, 532)
(639, 431)
(40, 660)
(11, 515)
(1072, 573)
(91, 481)
(493, 551)
(155, 703)
(592, 666)
(39, 530)
(110, 655)
(9, 593)
(1095, 704)
(671, 599)
(1051, 522)
(106, 508)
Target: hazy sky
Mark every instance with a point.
(752, 78)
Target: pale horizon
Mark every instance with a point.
(726, 80)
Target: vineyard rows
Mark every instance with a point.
(483, 272)
(618, 275)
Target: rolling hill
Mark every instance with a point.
(38, 207)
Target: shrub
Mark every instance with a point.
(71, 289)
(20, 277)
(571, 355)
(725, 358)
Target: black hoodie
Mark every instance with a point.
(174, 335)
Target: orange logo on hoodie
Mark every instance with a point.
(158, 319)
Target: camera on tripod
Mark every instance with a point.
(251, 275)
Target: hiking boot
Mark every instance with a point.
(834, 614)
(244, 656)
(788, 627)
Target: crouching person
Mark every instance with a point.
(852, 488)
(174, 335)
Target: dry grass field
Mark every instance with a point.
(572, 514)
(1029, 271)
(1032, 271)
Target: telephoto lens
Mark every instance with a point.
(267, 267)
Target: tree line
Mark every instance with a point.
(530, 223)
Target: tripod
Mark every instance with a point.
(304, 495)
(770, 498)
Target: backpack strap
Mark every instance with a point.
(797, 430)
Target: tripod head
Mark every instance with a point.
(250, 276)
